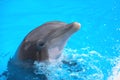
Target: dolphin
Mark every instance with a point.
(43, 44)
(47, 41)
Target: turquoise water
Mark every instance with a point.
(95, 48)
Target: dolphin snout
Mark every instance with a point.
(76, 25)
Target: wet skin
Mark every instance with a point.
(46, 42)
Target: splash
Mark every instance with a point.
(115, 73)
(115, 70)
(73, 65)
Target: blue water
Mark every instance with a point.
(95, 47)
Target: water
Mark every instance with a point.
(93, 53)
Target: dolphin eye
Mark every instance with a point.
(40, 45)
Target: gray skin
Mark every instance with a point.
(46, 42)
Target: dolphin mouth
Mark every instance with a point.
(68, 29)
(71, 28)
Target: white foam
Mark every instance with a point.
(115, 70)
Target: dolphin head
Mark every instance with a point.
(47, 41)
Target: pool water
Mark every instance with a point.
(92, 53)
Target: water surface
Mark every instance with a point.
(94, 50)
